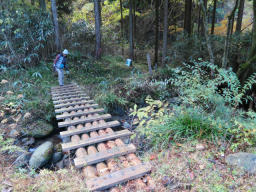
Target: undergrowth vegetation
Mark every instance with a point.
(209, 109)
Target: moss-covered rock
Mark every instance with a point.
(42, 155)
(38, 129)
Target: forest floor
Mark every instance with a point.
(190, 166)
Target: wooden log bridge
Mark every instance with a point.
(102, 152)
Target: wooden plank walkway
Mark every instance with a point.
(94, 140)
(118, 177)
(105, 155)
(89, 129)
(62, 110)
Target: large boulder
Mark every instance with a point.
(38, 129)
(246, 161)
(41, 155)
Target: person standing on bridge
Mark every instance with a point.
(60, 63)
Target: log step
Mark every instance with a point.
(64, 86)
(62, 110)
(118, 177)
(94, 140)
(65, 90)
(77, 114)
(67, 93)
(83, 120)
(89, 129)
(68, 97)
(104, 155)
(70, 100)
(73, 104)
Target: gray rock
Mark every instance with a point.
(28, 141)
(56, 157)
(60, 164)
(126, 125)
(41, 155)
(247, 161)
(22, 160)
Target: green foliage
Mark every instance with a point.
(34, 85)
(22, 34)
(6, 145)
(196, 85)
(209, 109)
(162, 125)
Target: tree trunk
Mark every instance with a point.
(32, 2)
(199, 19)
(131, 30)
(122, 26)
(229, 32)
(249, 67)
(134, 29)
(240, 17)
(56, 24)
(165, 33)
(156, 32)
(204, 19)
(214, 16)
(134, 19)
(149, 64)
(205, 26)
(97, 9)
(42, 5)
(188, 16)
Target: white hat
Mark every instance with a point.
(65, 52)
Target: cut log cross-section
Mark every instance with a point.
(73, 104)
(70, 100)
(65, 90)
(62, 110)
(77, 114)
(67, 93)
(118, 134)
(118, 177)
(83, 120)
(105, 155)
(89, 129)
(64, 86)
(68, 97)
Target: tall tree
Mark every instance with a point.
(240, 16)
(156, 31)
(199, 21)
(165, 33)
(229, 33)
(214, 15)
(32, 2)
(205, 4)
(97, 10)
(131, 54)
(205, 26)
(42, 5)
(250, 67)
(56, 24)
(188, 16)
(122, 26)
